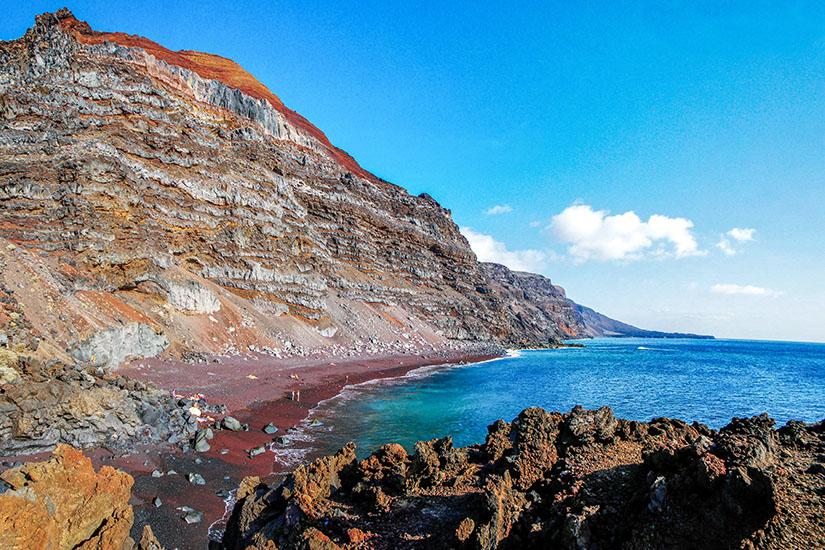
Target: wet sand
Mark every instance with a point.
(265, 397)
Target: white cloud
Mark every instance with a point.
(739, 234)
(594, 235)
(749, 290)
(487, 249)
(498, 209)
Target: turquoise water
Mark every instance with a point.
(705, 380)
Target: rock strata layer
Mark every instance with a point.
(575, 481)
(155, 201)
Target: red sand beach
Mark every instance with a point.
(256, 390)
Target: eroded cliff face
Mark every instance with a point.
(533, 304)
(157, 202)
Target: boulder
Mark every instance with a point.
(64, 504)
(202, 438)
(231, 423)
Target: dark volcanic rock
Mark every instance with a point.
(55, 403)
(581, 480)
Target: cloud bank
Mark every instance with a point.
(748, 290)
(487, 249)
(595, 235)
(498, 209)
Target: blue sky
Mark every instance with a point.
(704, 119)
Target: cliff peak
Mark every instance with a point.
(207, 66)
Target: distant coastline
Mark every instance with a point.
(598, 324)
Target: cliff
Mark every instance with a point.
(161, 203)
(534, 304)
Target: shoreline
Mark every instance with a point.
(227, 462)
(322, 381)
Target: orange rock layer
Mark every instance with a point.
(210, 66)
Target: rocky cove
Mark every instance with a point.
(187, 267)
(578, 480)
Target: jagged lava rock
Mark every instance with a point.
(579, 480)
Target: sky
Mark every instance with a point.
(664, 162)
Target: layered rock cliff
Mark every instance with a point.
(156, 202)
(534, 304)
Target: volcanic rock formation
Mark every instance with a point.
(575, 481)
(50, 403)
(63, 504)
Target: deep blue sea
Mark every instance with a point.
(710, 381)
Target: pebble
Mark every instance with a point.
(193, 517)
(255, 451)
(157, 502)
(157, 473)
(270, 429)
(196, 479)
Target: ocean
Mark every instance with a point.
(709, 381)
